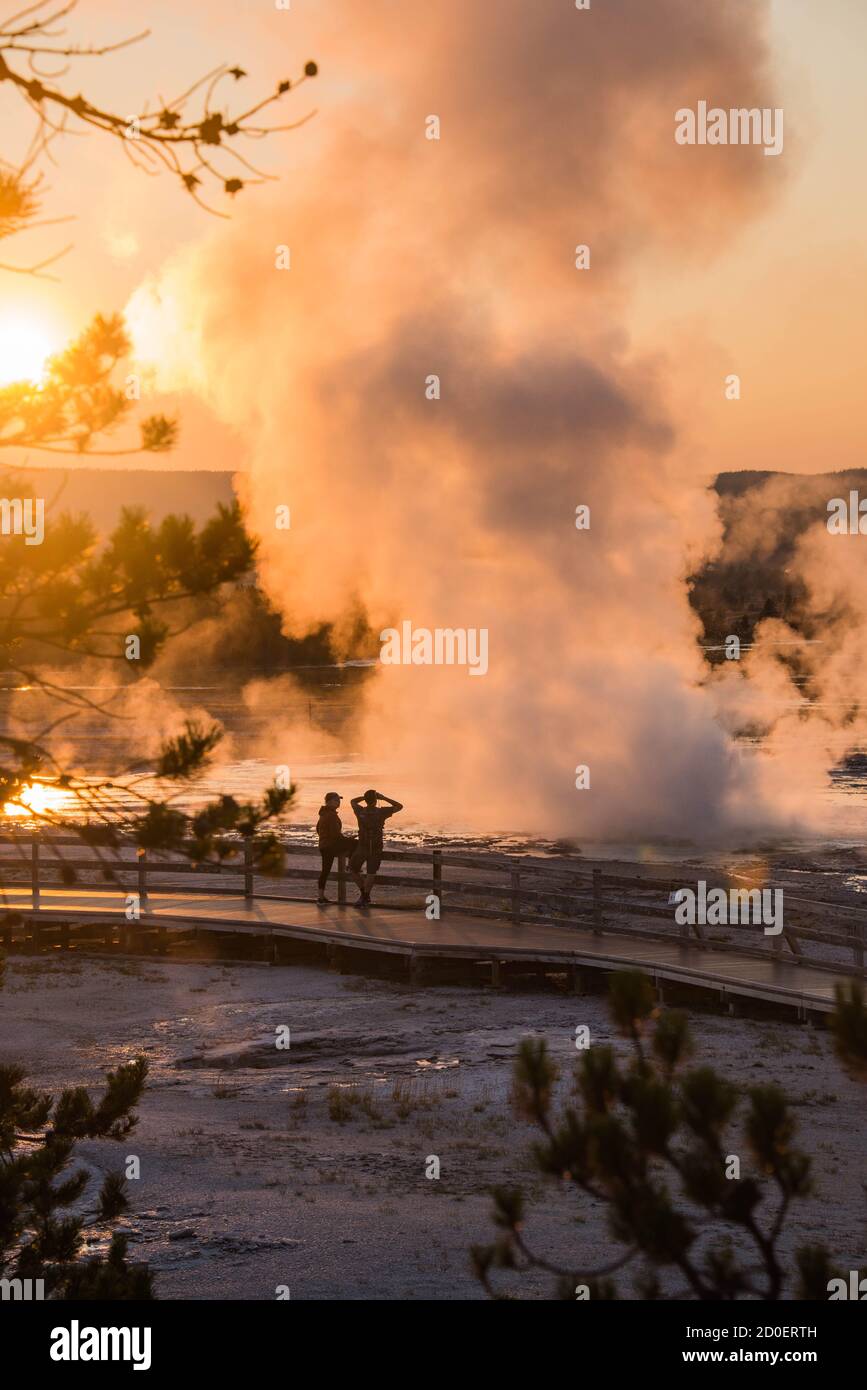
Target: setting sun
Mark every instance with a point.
(25, 346)
(38, 798)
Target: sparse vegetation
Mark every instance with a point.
(660, 1147)
(339, 1107)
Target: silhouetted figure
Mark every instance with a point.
(371, 819)
(332, 841)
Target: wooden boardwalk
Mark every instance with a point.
(75, 913)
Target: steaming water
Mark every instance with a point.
(349, 774)
(846, 793)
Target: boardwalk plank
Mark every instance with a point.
(456, 936)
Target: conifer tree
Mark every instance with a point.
(650, 1141)
(39, 1237)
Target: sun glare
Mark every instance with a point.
(38, 798)
(25, 347)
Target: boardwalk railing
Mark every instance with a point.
(821, 931)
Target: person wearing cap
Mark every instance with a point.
(332, 841)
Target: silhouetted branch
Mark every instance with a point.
(184, 142)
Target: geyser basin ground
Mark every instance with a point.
(306, 1168)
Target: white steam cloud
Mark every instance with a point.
(456, 258)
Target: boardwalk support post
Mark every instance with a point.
(248, 868)
(598, 919)
(142, 858)
(341, 878)
(438, 879)
(34, 873)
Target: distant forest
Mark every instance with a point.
(236, 631)
(764, 514)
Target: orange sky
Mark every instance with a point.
(777, 299)
(782, 302)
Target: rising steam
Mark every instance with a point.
(456, 258)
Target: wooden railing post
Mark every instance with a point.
(438, 879)
(142, 858)
(341, 878)
(673, 890)
(598, 919)
(248, 868)
(516, 895)
(34, 873)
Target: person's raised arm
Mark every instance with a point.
(355, 803)
(394, 805)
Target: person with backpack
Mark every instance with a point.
(332, 842)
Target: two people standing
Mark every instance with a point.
(372, 810)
